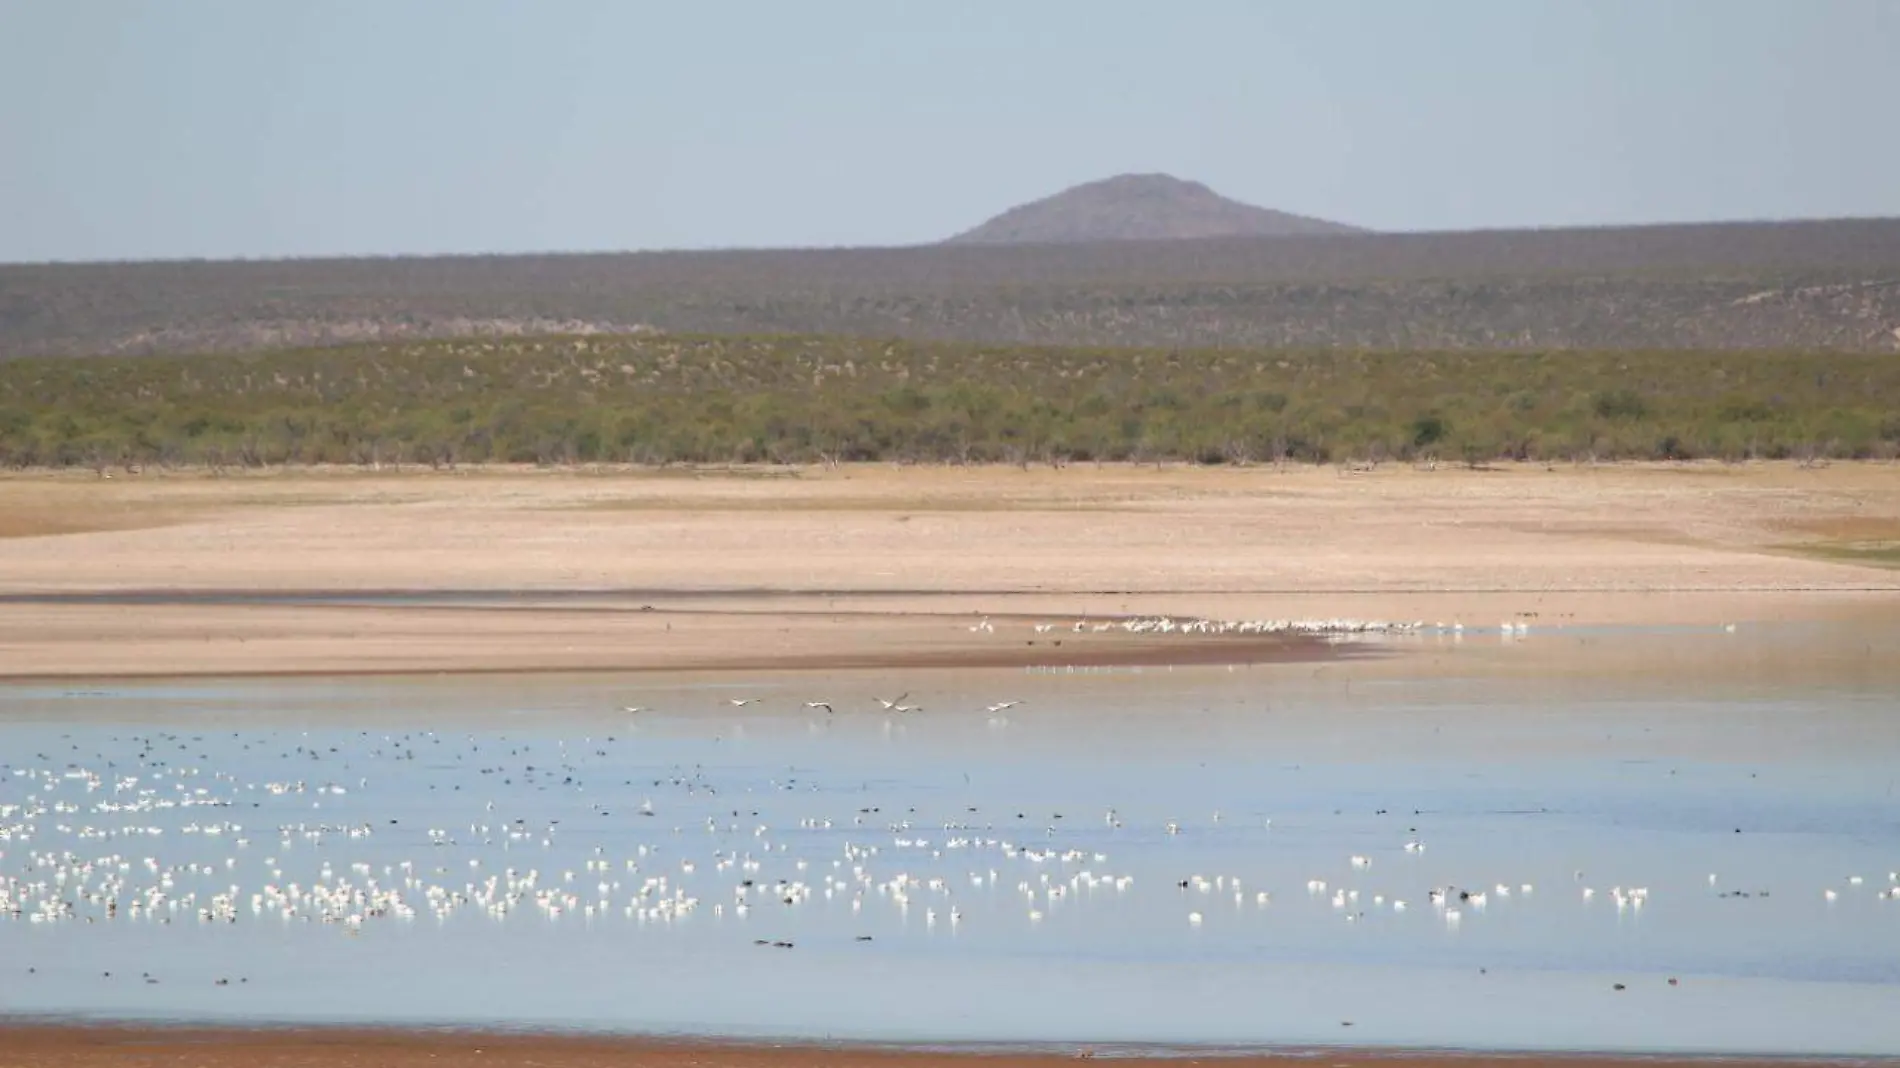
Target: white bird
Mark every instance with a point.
(741, 702)
(634, 710)
(1002, 706)
(826, 705)
(891, 705)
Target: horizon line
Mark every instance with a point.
(948, 243)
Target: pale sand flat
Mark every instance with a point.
(890, 566)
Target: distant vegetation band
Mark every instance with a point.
(655, 399)
(1812, 286)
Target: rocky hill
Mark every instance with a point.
(1139, 207)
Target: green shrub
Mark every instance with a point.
(1619, 404)
(660, 399)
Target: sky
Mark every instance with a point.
(165, 129)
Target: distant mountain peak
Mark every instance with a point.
(1150, 183)
(1139, 207)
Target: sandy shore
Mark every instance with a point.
(33, 1046)
(878, 567)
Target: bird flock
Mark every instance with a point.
(359, 831)
(1330, 629)
(1197, 625)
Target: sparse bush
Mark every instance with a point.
(1619, 404)
(1745, 410)
(1428, 430)
(796, 399)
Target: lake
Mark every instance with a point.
(1284, 855)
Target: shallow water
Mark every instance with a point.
(1017, 873)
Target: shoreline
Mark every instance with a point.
(284, 634)
(1128, 655)
(109, 1043)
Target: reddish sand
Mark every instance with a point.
(135, 1047)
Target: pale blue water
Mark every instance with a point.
(1264, 776)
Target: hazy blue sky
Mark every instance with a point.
(171, 128)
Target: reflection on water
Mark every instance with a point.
(1175, 857)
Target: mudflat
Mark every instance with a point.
(495, 569)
